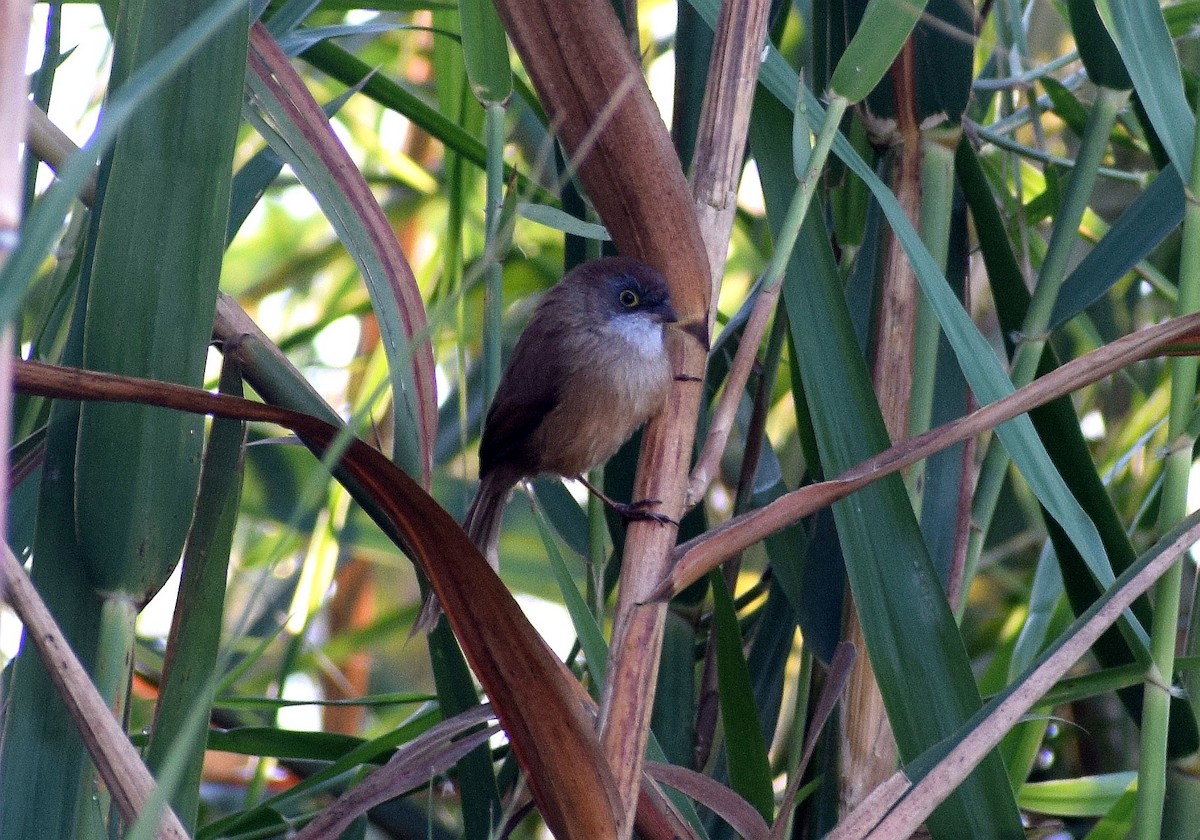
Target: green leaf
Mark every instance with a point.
(298, 40)
(591, 640)
(1118, 822)
(456, 693)
(188, 682)
(749, 769)
(345, 752)
(485, 50)
(1096, 48)
(1087, 796)
(882, 31)
(1140, 33)
(885, 26)
(903, 609)
(557, 219)
(1140, 229)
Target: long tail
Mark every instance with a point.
(482, 524)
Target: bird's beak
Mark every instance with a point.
(697, 330)
(666, 314)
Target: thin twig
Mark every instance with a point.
(723, 416)
(52, 146)
(720, 147)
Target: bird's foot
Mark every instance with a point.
(631, 511)
(637, 512)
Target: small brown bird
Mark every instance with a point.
(590, 369)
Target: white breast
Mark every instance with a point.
(619, 378)
(639, 386)
(640, 332)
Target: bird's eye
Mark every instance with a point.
(629, 298)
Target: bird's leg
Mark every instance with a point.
(631, 511)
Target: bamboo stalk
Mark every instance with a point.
(868, 746)
(14, 29)
(579, 59)
(637, 640)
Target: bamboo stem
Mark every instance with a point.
(14, 29)
(1156, 716)
(720, 145)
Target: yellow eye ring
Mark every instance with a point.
(629, 298)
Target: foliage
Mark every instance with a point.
(912, 212)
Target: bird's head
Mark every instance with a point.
(625, 296)
(628, 301)
(638, 291)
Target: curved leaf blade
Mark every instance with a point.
(291, 120)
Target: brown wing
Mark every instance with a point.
(528, 391)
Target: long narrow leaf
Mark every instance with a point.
(732, 808)
(192, 651)
(300, 133)
(1138, 29)
(749, 770)
(885, 26)
(1139, 230)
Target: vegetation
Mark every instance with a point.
(932, 475)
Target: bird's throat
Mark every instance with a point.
(642, 334)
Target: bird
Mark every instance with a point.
(589, 369)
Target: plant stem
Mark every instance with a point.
(1050, 278)
(937, 198)
(1066, 231)
(597, 546)
(114, 667)
(808, 187)
(1152, 767)
(493, 286)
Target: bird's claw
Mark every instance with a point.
(637, 512)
